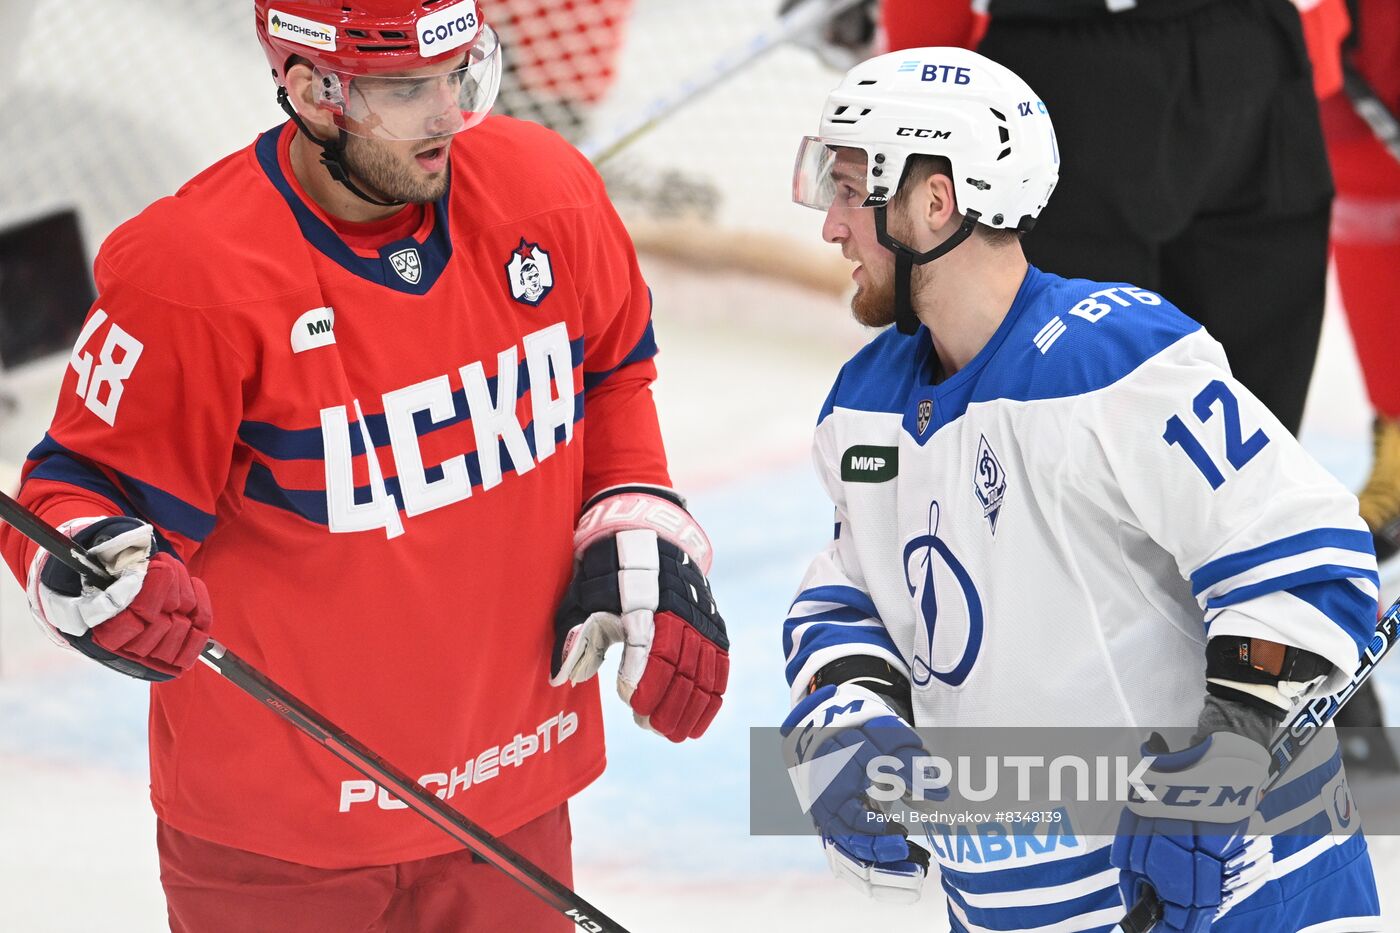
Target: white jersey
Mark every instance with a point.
(1049, 536)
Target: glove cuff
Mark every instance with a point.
(651, 508)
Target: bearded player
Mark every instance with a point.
(1079, 518)
(321, 405)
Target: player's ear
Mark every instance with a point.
(301, 90)
(941, 201)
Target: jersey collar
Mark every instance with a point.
(391, 268)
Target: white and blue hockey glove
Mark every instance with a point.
(1189, 845)
(847, 727)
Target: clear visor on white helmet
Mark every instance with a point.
(829, 173)
(433, 101)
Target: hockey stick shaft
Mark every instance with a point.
(602, 147)
(337, 741)
(1368, 105)
(1290, 740)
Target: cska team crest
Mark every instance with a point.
(529, 273)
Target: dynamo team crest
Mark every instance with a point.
(529, 273)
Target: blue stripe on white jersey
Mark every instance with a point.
(1079, 892)
(1333, 570)
(830, 622)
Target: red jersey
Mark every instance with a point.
(375, 459)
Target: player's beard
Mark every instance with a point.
(873, 302)
(385, 174)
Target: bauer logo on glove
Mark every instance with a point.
(640, 566)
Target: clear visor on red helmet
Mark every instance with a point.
(437, 100)
(827, 173)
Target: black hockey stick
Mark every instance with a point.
(345, 747)
(1369, 107)
(1290, 739)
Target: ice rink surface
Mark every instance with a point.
(661, 840)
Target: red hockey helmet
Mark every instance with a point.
(370, 58)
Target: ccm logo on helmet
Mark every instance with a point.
(923, 132)
(447, 29)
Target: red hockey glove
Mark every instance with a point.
(640, 562)
(151, 624)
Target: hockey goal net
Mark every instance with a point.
(113, 103)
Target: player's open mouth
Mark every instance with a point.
(433, 160)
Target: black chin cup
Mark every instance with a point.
(905, 259)
(332, 153)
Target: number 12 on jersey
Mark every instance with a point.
(1238, 451)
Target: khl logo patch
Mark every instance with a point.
(989, 482)
(925, 415)
(529, 273)
(407, 264)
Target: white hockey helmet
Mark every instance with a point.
(946, 102)
(949, 102)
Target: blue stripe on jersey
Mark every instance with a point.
(845, 616)
(1021, 918)
(433, 253)
(310, 504)
(1302, 835)
(1222, 568)
(1300, 790)
(1042, 875)
(1321, 574)
(955, 926)
(308, 444)
(644, 350)
(832, 627)
(833, 636)
(1344, 604)
(1336, 883)
(844, 595)
(136, 498)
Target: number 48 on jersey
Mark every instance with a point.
(102, 380)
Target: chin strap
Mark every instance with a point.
(906, 258)
(332, 153)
